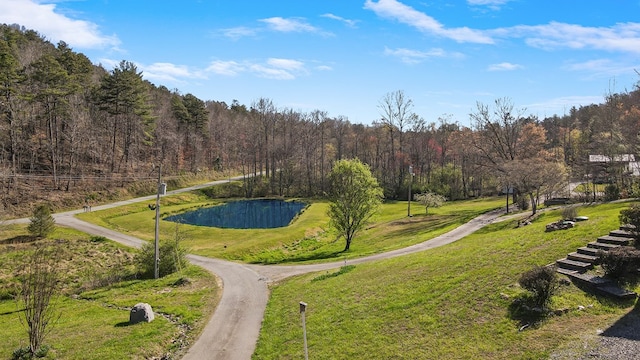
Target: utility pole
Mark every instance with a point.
(410, 185)
(156, 273)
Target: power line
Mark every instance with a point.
(77, 177)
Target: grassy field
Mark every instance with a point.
(454, 302)
(94, 308)
(307, 239)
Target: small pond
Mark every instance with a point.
(245, 214)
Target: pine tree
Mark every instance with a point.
(42, 223)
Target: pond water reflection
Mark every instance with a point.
(244, 214)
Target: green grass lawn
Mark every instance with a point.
(452, 302)
(307, 239)
(94, 315)
(588, 187)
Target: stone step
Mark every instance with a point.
(618, 292)
(565, 271)
(588, 251)
(592, 279)
(616, 240)
(576, 256)
(627, 227)
(622, 233)
(602, 246)
(603, 286)
(579, 266)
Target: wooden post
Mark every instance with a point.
(303, 307)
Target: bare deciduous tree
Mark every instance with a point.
(397, 116)
(39, 288)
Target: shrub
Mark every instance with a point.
(24, 353)
(611, 192)
(618, 262)
(542, 282)
(631, 216)
(98, 239)
(172, 259)
(227, 190)
(569, 213)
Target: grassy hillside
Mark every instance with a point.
(97, 292)
(453, 302)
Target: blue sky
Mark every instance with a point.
(343, 56)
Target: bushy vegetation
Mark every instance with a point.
(222, 191)
(631, 217)
(620, 261)
(611, 192)
(541, 282)
(172, 259)
(25, 353)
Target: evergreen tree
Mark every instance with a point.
(42, 223)
(123, 96)
(10, 78)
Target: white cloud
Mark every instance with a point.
(278, 24)
(621, 37)
(562, 105)
(160, 71)
(591, 65)
(238, 32)
(407, 15)
(491, 4)
(488, 2)
(271, 72)
(410, 56)
(272, 68)
(170, 72)
(54, 26)
(348, 22)
(602, 68)
(289, 25)
(287, 64)
(109, 64)
(227, 68)
(504, 66)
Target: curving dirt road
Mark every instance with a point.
(232, 331)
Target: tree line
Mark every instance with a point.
(64, 120)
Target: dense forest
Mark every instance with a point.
(67, 124)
